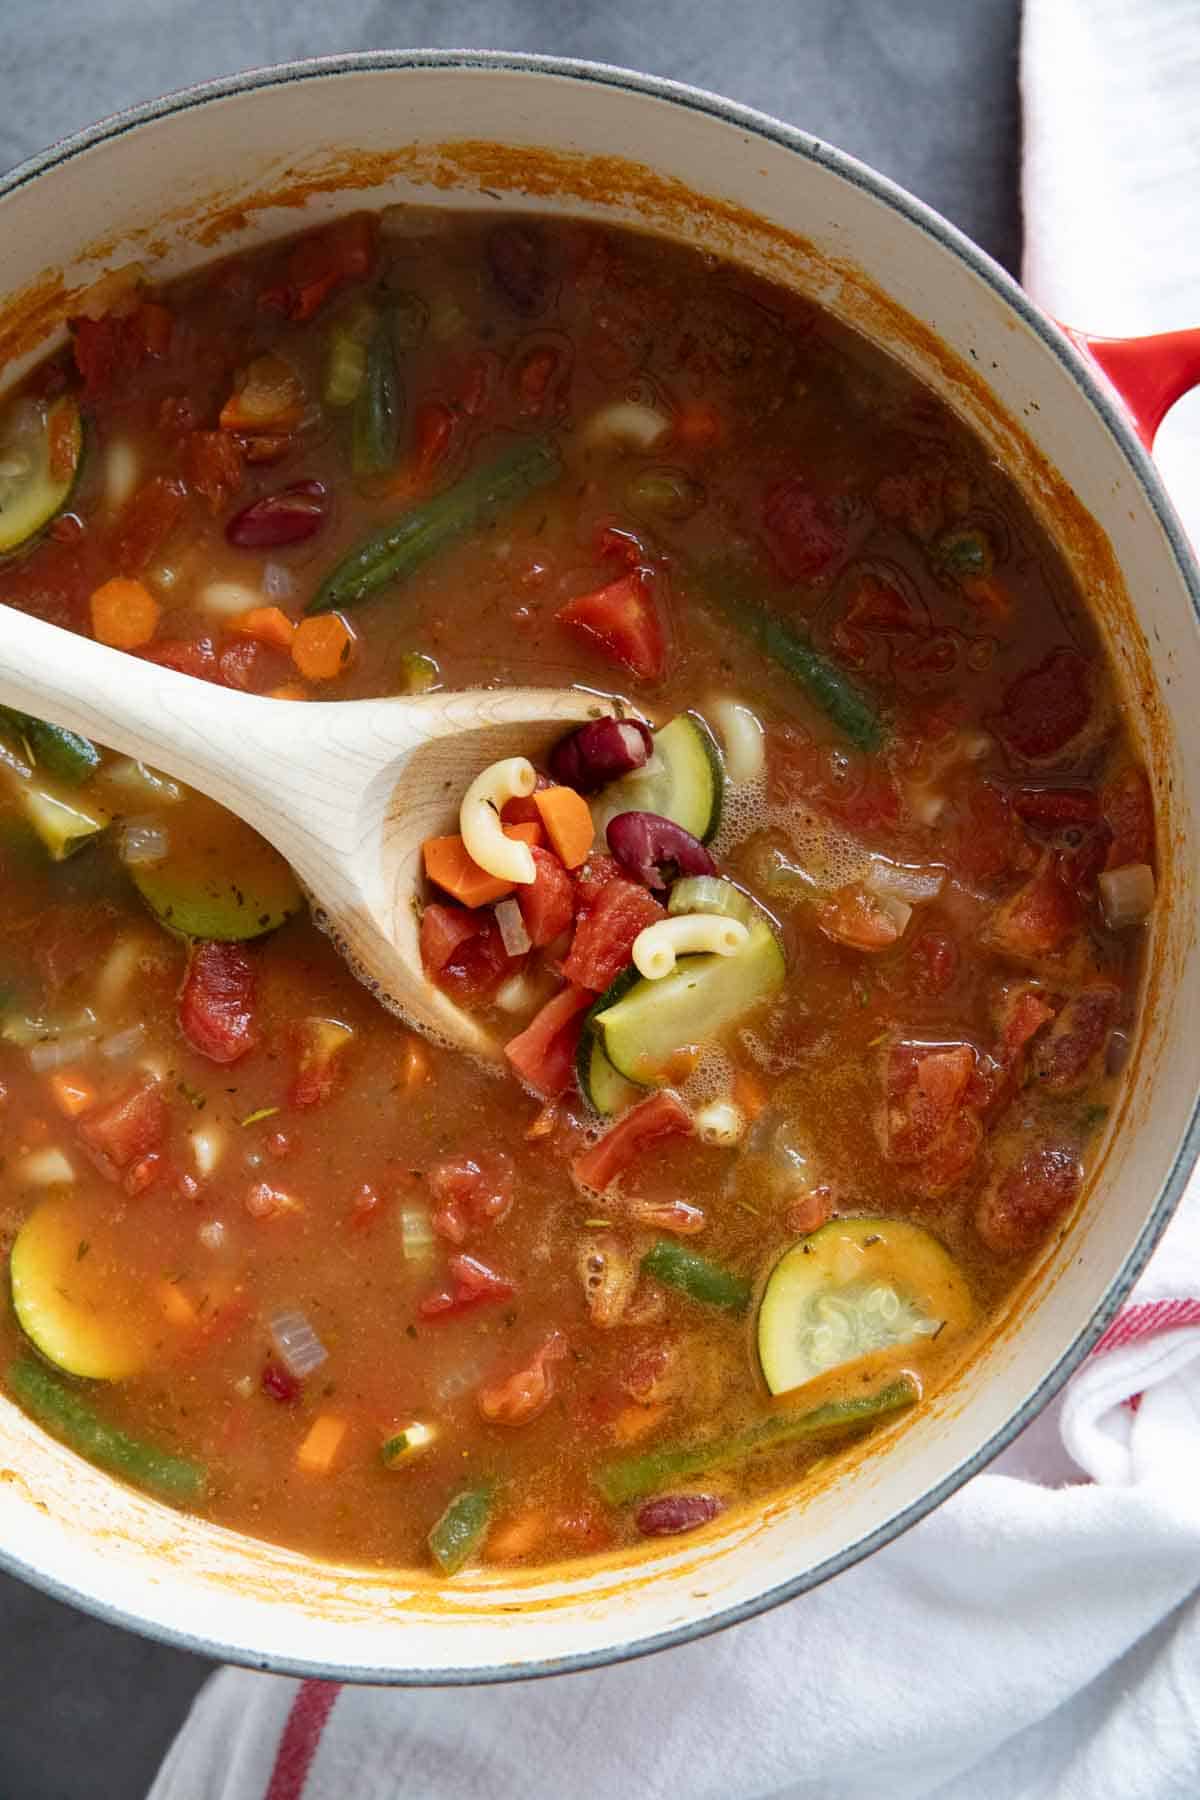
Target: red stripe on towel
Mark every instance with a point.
(1147, 1320)
(301, 1738)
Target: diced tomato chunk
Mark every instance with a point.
(858, 919)
(924, 1085)
(109, 350)
(321, 262)
(520, 1397)
(804, 532)
(605, 934)
(1021, 1013)
(1038, 918)
(548, 905)
(190, 656)
(126, 1130)
(933, 961)
(1046, 707)
(443, 930)
(1068, 1055)
(212, 463)
(663, 1115)
(1021, 1202)
(623, 619)
(216, 1007)
(543, 1055)
(469, 1192)
(145, 522)
(462, 950)
(1056, 809)
(1129, 813)
(472, 1283)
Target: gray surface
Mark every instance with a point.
(925, 90)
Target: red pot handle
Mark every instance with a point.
(1149, 373)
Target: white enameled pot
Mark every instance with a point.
(228, 165)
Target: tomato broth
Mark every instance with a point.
(815, 965)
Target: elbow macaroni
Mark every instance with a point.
(741, 738)
(656, 948)
(483, 837)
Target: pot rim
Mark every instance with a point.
(1111, 414)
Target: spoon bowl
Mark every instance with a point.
(347, 791)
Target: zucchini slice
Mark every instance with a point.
(684, 781)
(219, 879)
(41, 448)
(855, 1288)
(604, 1090)
(74, 1301)
(646, 1029)
(63, 822)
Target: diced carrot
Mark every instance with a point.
(318, 1450)
(636, 1421)
(323, 648)
(291, 690)
(176, 1308)
(568, 821)
(268, 625)
(447, 863)
(748, 1095)
(73, 1093)
(124, 614)
(516, 1537)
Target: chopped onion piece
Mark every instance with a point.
(898, 911)
(208, 1147)
(626, 425)
(459, 1382)
(296, 1343)
(120, 473)
(416, 1234)
(55, 1053)
(1127, 895)
(212, 1234)
(227, 598)
(122, 1043)
(142, 841)
(278, 583)
(45, 1168)
(900, 881)
(515, 938)
(521, 993)
(721, 1123)
(127, 773)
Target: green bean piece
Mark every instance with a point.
(461, 1529)
(378, 407)
(421, 531)
(724, 584)
(64, 1411)
(695, 1276)
(632, 1478)
(65, 754)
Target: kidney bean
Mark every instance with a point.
(600, 752)
(646, 845)
(288, 517)
(279, 1383)
(520, 267)
(676, 1512)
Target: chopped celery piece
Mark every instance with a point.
(345, 368)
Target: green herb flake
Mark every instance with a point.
(256, 1118)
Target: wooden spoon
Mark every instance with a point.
(346, 791)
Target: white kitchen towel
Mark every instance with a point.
(1038, 1638)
